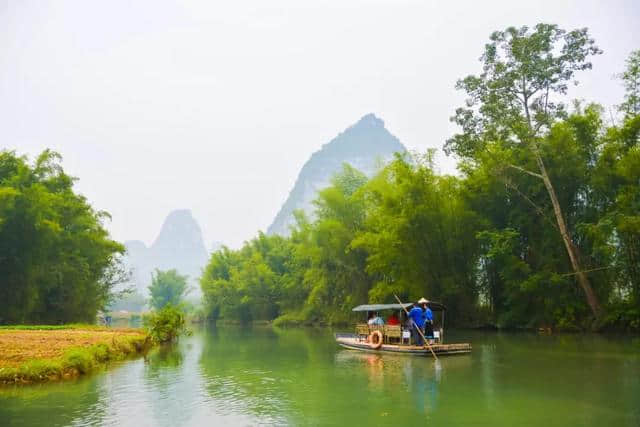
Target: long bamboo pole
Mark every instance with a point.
(424, 340)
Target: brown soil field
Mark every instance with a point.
(19, 346)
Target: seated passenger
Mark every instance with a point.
(376, 320)
(393, 320)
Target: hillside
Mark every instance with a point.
(179, 245)
(366, 145)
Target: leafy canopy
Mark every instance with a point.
(167, 288)
(514, 98)
(57, 261)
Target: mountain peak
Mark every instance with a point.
(179, 226)
(178, 215)
(179, 245)
(369, 120)
(364, 145)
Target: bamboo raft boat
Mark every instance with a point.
(353, 342)
(396, 339)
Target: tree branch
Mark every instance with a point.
(539, 210)
(537, 175)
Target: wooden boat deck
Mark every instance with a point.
(352, 342)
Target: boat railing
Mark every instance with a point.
(391, 333)
(362, 330)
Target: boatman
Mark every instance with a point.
(417, 319)
(428, 316)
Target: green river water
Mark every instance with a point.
(257, 376)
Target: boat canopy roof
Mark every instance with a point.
(435, 306)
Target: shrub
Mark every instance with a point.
(34, 370)
(289, 319)
(80, 359)
(165, 325)
(624, 317)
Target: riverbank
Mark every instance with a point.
(30, 354)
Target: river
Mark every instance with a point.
(256, 376)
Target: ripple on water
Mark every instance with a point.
(301, 378)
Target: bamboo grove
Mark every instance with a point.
(540, 228)
(57, 262)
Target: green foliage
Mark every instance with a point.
(623, 317)
(487, 243)
(631, 80)
(362, 246)
(525, 275)
(165, 325)
(167, 288)
(247, 284)
(419, 236)
(57, 262)
(512, 101)
(290, 319)
(516, 131)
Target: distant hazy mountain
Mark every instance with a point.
(179, 245)
(366, 146)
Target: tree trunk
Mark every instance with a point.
(572, 250)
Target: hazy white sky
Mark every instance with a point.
(215, 106)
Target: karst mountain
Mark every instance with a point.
(367, 145)
(179, 245)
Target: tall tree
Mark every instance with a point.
(515, 101)
(167, 288)
(631, 81)
(419, 236)
(57, 262)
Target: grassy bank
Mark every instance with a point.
(46, 353)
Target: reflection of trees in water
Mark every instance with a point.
(166, 357)
(171, 379)
(573, 376)
(104, 398)
(55, 404)
(418, 377)
(300, 376)
(242, 371)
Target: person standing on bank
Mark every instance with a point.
(417, 320)
(428, 319)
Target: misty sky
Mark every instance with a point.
(215, 106)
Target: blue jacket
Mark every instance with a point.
(429, 315)
(416, 315)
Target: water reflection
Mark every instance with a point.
(175, 392)
(417, 376)
(249, 376)
(241, 371)
(32, 406)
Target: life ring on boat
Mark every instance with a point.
(375, 340)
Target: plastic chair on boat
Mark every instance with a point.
(362, 331)
(392, 332)
(406, 336)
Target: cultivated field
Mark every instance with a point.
(29, 354)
